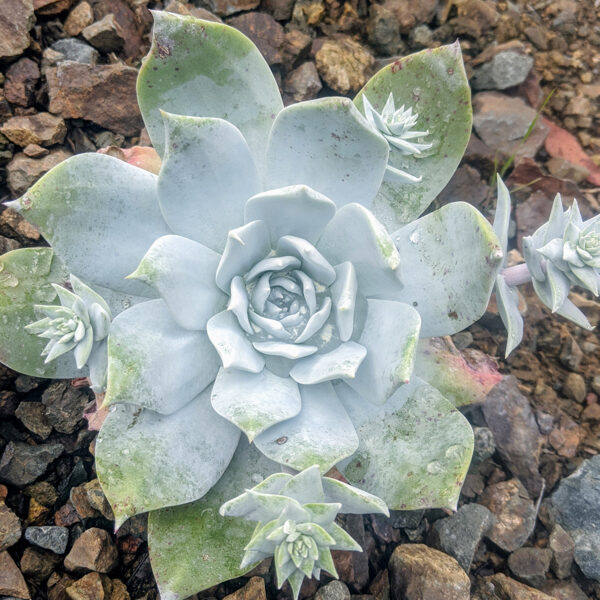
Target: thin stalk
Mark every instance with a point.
(517, 275)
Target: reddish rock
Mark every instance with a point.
(303, 83)
(23, 171)
(105, 34)
(410, 13)
(103, 94)
(16, 19)
(42, 129)
(79, 18)
(264, 31)
(94, 550)
(21, 79)
(501, 587)
(224, 8)
(51, 7)
(11, 580)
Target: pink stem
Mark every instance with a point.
(517, 275)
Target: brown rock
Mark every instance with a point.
(44, 492)
(16, 19)
(559, 167)
(38, 564)
(380, 586)
(563, 548)
(574, 387)
(58, 585)
(279, 9)
(514, 512)
(467, 185)
(35, 151)
(65, 404)
(530, 565)
(97, 499)
(11, 580)
(410, 13)
(501, 587)
(66, 516)
(516, 435)
(79, 18)
(131, 24)
(37, 513)
(80, 501)
(21, 79)
(33, 416)
(253, 590)
(103, 94)
(92, 586)
(353, 567)
(295, 48)
(224, 8)
(51, 7)
(105, 34)
(418, 572)
(564, 590)
(94, 550)
(502, 122)
(344, 64)
(23, 172)
(383, 30)
(183, 8)
(264, 31)
(303, 83)
(10, 527)
(565, 438)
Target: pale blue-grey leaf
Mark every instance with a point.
(343, 295)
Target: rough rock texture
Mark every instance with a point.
(516, 435)
(418, 572)
(48, 537)
(513, 511)
(253, 590)
(33, 416)
(21, 79)
(76, 50)
(22, 464)
(94, 550)
(11, 580)
(303, 83)
(79, 18)
(460, 534)
(105, 34)
(343, 64)
(16, 19)
(103, 94)
(504, 70)
(530, 565)
(265, 32)
(501, 587)
(64, 405)
(575, 506)
(38, 564)
(23, 171)
(563, 550)
(10, 527)
(43, 129)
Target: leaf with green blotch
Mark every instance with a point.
(434, 84)
(461, 381)
(26, 276)
(417, 438)
(192, 547)
(449, 262)
(204, 69)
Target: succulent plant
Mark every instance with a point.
(272, 279)
(296, 522)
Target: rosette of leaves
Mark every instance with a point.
(280, 288)
(296, 522)
(79, 325)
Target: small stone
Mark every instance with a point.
(334, 590)
(574, 387)
(575, 506)
(295, 48)
(513, 511)
(42, 128)
(303, 83)
(16, 19)
(383, 30)
(22, 464)
(105, 35)
(563, 549)
(75, 50)
(23, 172)
(411, 13)
(80, 500)
(504, 70)
(11, 580)
(35, 151)
(97, 500)
(484, 445)
(418, 572)
(94, 550)
(38, 565)
(65, 405)
(10, 527)
(224, 8)
(92, 586)
(530, 565)
(343, 64)
(51, 7)
(264, 31)
(44, 492)
(565, 438)
(279, 9)
(8, 400)
(353, 567)
(21, 79)
(103, 94)
(37, 514)
(79, 18)
(570, 352)
(563, 169)
(564, 590)
(596, 384)
(460, 534)
(509, 416)
(48, 537)
(501, 587)
(33, 416)
(66, 516)
(502, 121)
(421, 36)
(253, 590)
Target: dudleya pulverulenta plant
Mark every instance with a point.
(274, 296)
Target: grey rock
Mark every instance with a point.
(10, 527)
(509, 416)
(460, 534)
(575, 506)
(335, 590)
(76, 50)
(65, 405)
(504, 70)
(563, 548)
(530, 565)
(484, 445)
(406, 519)
(383, 30)
(48, 537)
(22, 464)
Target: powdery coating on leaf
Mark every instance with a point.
(147, 461)
(418, 439)
(434, 84)
(205, 69)
(26, 278)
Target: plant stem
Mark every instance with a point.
(517, 275)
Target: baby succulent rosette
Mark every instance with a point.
(273, 292)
